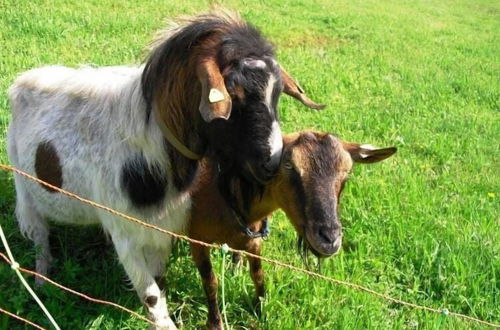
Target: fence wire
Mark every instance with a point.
(19, 318)
(77, 293)
(354, 286)
(15, 267)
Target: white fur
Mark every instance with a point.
(269, 91)
(255, 63)
(95, 118)
(276, 140)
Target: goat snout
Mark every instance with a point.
(326, 240)
(326, 235)
(272, 164)
(262, 172)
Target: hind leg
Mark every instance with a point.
(34, 227)
(31, 224)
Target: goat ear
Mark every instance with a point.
(215, 100)
(367, 153)
(294, 90)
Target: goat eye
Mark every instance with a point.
(288, 166)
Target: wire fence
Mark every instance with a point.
(19, 318)
(353, 286)
(77, 293)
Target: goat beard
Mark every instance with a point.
(304, 250)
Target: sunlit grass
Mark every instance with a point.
(422, 226)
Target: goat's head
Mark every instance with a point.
(243, 126)
(312, 175)
(222, 72)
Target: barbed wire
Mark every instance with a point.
(17, 317)
(15, 267)
(354, 286)
(77, 293)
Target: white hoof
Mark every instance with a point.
(164, 324)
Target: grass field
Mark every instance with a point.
(422, 226)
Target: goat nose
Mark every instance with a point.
(327, 236)
(271, 166)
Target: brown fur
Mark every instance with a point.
(48, 165)
(317, 158)
(176, 107)
(211, 222)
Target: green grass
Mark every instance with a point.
(422, 226)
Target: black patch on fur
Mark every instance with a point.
(145, 185)
(323, 164)
(161, 281)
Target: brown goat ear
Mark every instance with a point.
(367, 153)
(294, 90)
(215, 100)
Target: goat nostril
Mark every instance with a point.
(325, 237)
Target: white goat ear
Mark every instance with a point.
(366, 153)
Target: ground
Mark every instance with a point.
(421, 226)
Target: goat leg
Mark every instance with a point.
(237, 261)
(201, 257)
(257, 274)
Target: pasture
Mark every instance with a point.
(421, 226)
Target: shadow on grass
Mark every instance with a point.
(85, 260)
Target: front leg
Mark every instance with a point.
(256, 273)
(136, 267)
(201, 257)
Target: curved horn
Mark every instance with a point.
(215, 100)
(294, 90)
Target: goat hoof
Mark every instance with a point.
(164, 324)
(215, 325)
(257, 305)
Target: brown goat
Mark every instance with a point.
(307, 188)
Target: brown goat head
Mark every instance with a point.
(310, 182)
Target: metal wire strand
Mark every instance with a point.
(77, 293)
(17, 317)
(15, 266)
(266, 259)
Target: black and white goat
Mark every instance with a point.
(132, 137)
